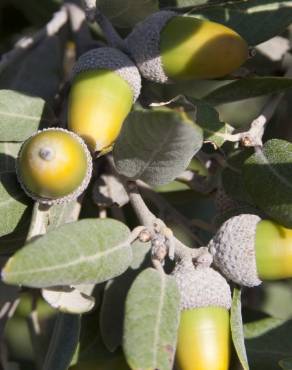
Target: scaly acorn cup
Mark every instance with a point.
(247, 250)
(170, 47)
(105, 84)
(54, 166)
(204, 330)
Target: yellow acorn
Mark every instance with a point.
(248, 250)
(170, 47)
(204, 330)
(105, 85)
(54, 166)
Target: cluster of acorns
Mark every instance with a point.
(55, 165)
(246, 250)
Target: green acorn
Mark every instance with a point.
(169, 47)
(54, 166)
(105, 84)
(248, 250)
(204, 330)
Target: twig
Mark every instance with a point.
(80, 30)
(111, 35)
(145, 216)
(94, 14)
(90, 10)
(172, 213)
(148, 219)
(51, 28)
(151, 222)
(253, 137)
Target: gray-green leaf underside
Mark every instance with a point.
(156, 145)
(151, 321)
(22, 115)
(82, 252)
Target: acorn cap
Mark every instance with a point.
(112, 59)
(144, 45)
(68, 197)
(233, 249)
(201, 287)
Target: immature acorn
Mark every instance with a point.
(170, 47)
(105, 85)
(54, 166)
(204, 330)
(247, 250)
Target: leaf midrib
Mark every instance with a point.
(76, 262)
(158, 321)
(154, 153)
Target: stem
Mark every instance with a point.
(171, 212)
(90, 10)
(94, 14)
(39, 221)
(51, 28)
(253, 137)
(148, 219)
(111, 35)
(145, 216)
(80, 30)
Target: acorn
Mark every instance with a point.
(204, 330)
(105, 84)
(170, 47)
(54, 166)
(248, 250)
